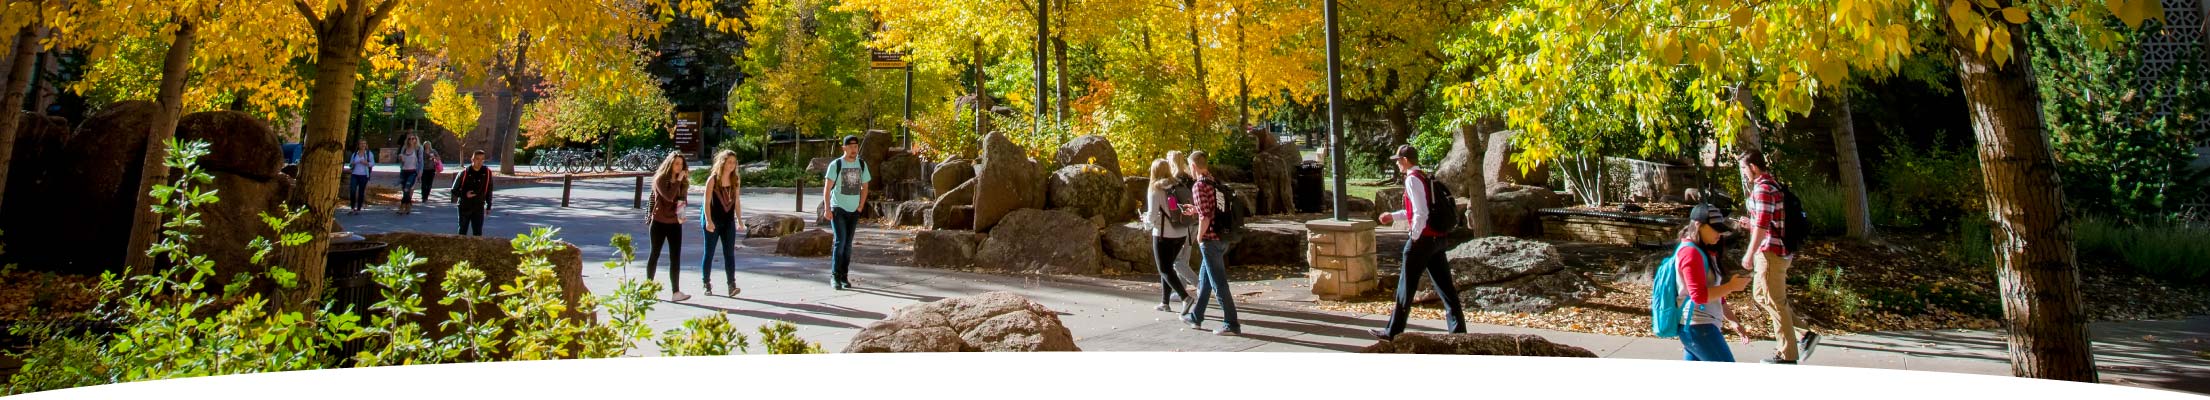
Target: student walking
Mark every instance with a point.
(472, 189)
(1169, 230)
(671, 189)
(724, 191)
(1185, 189)
(361, 165)
(432, 166)
(1213, 275)
(410, 168)
(1768, 257)
(846, 189)
(1424, 253)
(1699, 292)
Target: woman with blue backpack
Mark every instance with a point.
(1689, 290)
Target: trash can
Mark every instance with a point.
(1307, 186)
(350, 285)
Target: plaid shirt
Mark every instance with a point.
(1207, 200)
(1765, 214)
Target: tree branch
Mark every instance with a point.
(308, 12)
(377, 17)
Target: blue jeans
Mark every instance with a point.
(406, 185)
(1704, 342)
(843, 224)
(727, 237)
(1212, 277)
(360, 191)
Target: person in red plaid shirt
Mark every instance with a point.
(1769, 258)
(1212, 274)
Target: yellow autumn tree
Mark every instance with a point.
(453, 110)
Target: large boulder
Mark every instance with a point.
(874, 148)
(1477, 344)
(1499, 169)
(1388, 200)
(898, 177)
(1008, 181)
(1128, 242)
(945, 248)
(772, 226)
(1275, 173)
(1508, 274)
(811, 243)
(1052, 242)
(951, 174)
(38, 151)
(106, 156)
(995, 321)
(1512, 209)
(1090, 149)
(245, 158)
(1268, 245)
(955, 209)
(1134, 191)
(492, 255)
(914, 212)
(1461, 168)
(1086, 190)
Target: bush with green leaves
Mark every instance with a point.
(171, 324)
(1929, 186)
(2123, 141)
(2176, 253)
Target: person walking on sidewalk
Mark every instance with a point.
(1212, 277)
(1768, 257)
(431, 166)
(671, 188)
(472, 189)
(1701, 292)
(720, 214)
(1423, 254)
(1185, 187)
(846, 188)
(410, 168)
(361, 166)
(1169, 230)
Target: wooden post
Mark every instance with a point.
(567, 184)
(638, 202)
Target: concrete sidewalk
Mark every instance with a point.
(1107, 314)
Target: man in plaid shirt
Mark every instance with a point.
(1768, 257)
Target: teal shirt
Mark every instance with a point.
(847, 180)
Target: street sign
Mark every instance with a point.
(879, 59)
(686, 132)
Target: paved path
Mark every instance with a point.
(1108, 314)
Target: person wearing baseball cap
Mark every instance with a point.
(1700, 277)
(1423, 254)
(845, 185)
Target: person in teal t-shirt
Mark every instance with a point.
(845, 185)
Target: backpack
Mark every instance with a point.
(1442, 210)
(1795, 224)
(1232, 210)
(1668, 311)
(1171, 213)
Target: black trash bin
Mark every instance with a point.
(1307, 186)
(350, 285)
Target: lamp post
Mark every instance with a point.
(1335, 101)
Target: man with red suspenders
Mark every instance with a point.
(1424, 254)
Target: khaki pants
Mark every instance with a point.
(1771, 294)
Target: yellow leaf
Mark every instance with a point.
(1979, 40)
(1741, 17)
(1960, 13)
(2014, 15)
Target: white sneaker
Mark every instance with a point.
(679, 297)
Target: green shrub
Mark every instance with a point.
(746, 146)
(1930, 186)
(1366, 166)
(2123, 141)
(1822, 201)
(1975, 245)
(2172, 252)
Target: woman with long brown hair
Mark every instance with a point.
(720, 213)
(1162, 215)
(671, 188)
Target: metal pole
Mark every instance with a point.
(1335, 102)
(906, 128)
(638, 202)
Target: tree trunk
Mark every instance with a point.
(337, 60)
(1042, 61)
(18, 82)
(516, 73)
(1197, 58)
(1477, 193)
(1857, 209)
(1059, 47)
(2039, 275)
(175, 66)
(1400, 133)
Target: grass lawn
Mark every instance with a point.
(1359, 188)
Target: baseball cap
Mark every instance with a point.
(1407, 152)
(1710, 216)
(851, 139)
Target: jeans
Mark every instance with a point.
(406, 185)
(844, 224)
(428, 180)
(1213, 278)
(727, 237)
(471, 220)
(1705, 342)
(1165, 250)
(1425, 255)
(360, 191)
(670, 235)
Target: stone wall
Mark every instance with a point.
(1600, 227)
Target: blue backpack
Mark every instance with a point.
(1668, 311)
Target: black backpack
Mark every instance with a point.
(1232, 211)
(1795, 224)
(1442, 211)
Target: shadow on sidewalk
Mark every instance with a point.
(801, 320)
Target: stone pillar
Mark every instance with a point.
(1342, 258)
